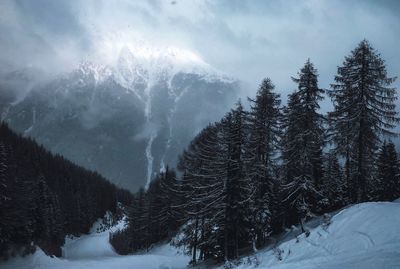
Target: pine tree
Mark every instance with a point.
(217, 189)
(205, 170)
(137, 222)
(334, 184)
(49, 231)
(364, 109)
(239, 191)
(302, 145)
(262, 147)
(5, 234)
(169, 214)
(387, 184)
(3, 173)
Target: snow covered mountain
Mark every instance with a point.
(361, 236)
(126, 119)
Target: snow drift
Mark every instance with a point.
(362, 236)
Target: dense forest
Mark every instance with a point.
(246, 178)
(44, 197)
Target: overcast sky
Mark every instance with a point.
(246, 39)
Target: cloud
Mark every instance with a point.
(248, 39)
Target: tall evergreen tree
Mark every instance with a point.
(302, 144)
(364, 109)
(238, 186)
(204, 167)
(262, 147)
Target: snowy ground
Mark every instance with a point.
(363, 236)
(94, 251)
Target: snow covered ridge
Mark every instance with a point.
(363, 236)
(149, 64)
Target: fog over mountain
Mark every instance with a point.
(122, 86)
(247, 39)
(128, 120)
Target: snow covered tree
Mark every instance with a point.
(168, 214)
(239, 191)
(386, 186)
(334, 184)
(217, 189)
(364, 109)
(137, 221)
(204, 167)
(302, 145)
(262, 146)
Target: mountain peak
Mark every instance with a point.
(93, 71)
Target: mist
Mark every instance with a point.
(248, 40)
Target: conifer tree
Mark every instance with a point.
(302, 145)
(3, 173)
(387, 184)
(49, 221)
(334, 184)
(204, 167)
(364, 109)
(238, 186)
(262, 147)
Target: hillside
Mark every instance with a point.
(44, 197)
(361, 236)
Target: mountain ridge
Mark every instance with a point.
(154, 108)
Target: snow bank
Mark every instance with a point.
(94, 251)
(362, 236)
(92, 245)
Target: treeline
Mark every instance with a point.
(154, 215)
(44, 197)
(254, 173)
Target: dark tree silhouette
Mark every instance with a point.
(364, 109)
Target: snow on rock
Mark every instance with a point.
(94, 251)
(362, 236)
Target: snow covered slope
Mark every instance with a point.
(363, 236)
(94, 251)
